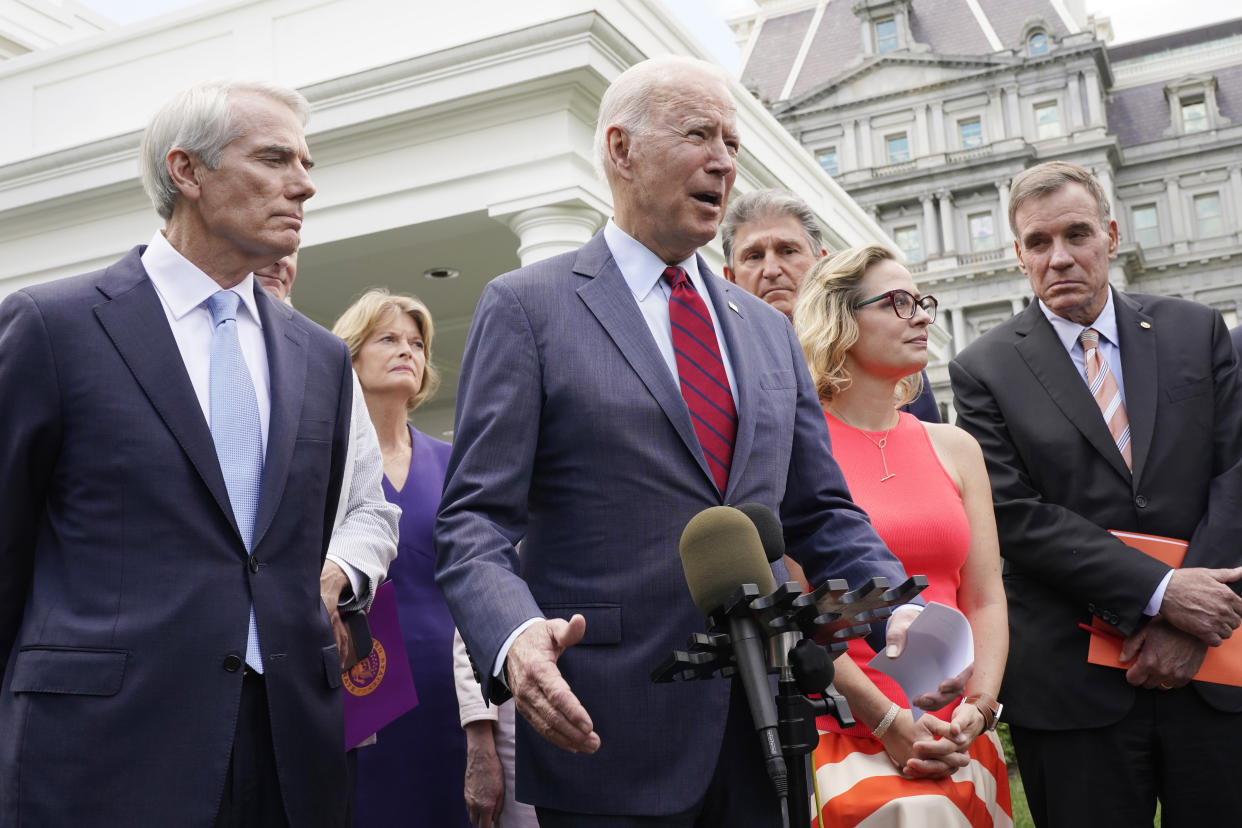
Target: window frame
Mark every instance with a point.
(904, 135)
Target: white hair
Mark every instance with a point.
(200, 120)
(627, 102)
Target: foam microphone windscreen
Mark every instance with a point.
(771, 533)
(721, 550)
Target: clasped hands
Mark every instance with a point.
(1199, 610)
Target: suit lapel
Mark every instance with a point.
(739, 343)
(134, 320)
(286, 362)
(1139, 369)
(608, 297)
(1048, 360)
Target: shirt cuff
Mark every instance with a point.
(356, 580)
(1157, 597)
(498, 669)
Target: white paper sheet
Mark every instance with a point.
(939, 645)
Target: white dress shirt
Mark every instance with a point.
(183, 290)
(1110, 349)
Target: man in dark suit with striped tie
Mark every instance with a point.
(607, 396)
(1100, 410)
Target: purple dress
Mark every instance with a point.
(415, 774)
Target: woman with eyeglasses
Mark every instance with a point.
(863, 326)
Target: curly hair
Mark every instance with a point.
(825, 324)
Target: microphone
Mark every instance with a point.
(771, 533)
(721, 550)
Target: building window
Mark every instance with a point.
(1047, 120)
(909, 243)
(1194, 115)
(1146, 225)
(898, 148)
(970, 131)
(827, 159)
(1207, 211)
(886, 35)
(982, 232)
(1037, 44)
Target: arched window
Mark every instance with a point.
(1037, 43)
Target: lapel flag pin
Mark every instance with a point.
(733, 308)
(1144, 324)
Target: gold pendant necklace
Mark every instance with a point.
(880, 444)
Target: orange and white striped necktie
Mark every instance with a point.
(1103, 386)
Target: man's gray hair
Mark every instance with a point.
(1048, 177)
(627, 102)
(761, 204)
(200, 121)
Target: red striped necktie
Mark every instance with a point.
(704, 383)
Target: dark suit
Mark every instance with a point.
(573, 433)
(1236, 335)
(1059, 483)
(124, 584)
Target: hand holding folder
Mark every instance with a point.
(1223, 664)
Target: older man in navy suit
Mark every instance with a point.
(581, 431)
(172, 458)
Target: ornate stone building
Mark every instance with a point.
(924, 110)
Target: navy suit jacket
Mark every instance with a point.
(1059, 484)
(572, 435)
(124, 584)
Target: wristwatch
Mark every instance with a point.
(989, 707)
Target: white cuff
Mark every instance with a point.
(498, 669)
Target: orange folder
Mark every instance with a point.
(1223, 664)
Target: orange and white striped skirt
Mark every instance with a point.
(858, 787)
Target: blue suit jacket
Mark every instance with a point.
(573, 435)
(124, 584)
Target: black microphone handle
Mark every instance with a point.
(752, 669)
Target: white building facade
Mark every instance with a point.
(925, 110)
(450, 139)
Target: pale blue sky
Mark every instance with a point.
(1132, 19)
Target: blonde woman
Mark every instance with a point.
(863, 327)
(413, 775)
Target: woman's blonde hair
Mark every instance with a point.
(361, 319)
(825, 323)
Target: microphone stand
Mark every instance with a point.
(817, 623)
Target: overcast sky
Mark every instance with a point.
(1132, 19)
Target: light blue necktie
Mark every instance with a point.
(236, 431)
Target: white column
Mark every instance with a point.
(1016, 306)
(547, 231)
(1235, 187)
(931, 233)
(864, 144)
(1075, 102)
(959, 330)
(1013, 118)
(995, 129)
(1177, 232)
(921, 145)
(937, 127)
(1004, 236)
(849, 159)
(1095, 101)
(946, 221)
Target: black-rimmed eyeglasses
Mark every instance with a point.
(904, 303)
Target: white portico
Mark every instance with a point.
(451, 137)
